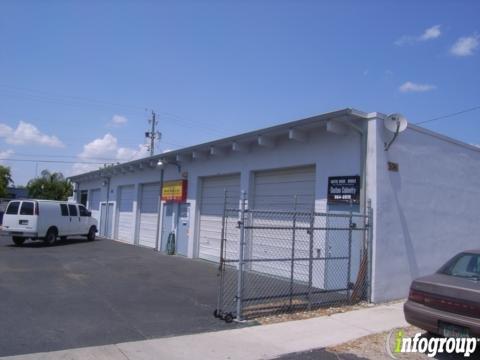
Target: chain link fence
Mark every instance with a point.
(276, 261)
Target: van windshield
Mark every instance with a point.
(13, 208)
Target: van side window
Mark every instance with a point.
(83, 211)
(64, 209)
(13, 208)
(73, 210)
(27, 208)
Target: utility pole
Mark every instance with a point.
(152, 135)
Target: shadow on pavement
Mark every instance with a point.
(41, 244)
(321, 354)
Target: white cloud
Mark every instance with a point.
(118, 120)
(5, 154)
(429, 34)
(414, 87)
(27, 133)
(106, 148)
(466, 45)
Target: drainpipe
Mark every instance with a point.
(159, 210)
(106, 206)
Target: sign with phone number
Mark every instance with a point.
(344, 189)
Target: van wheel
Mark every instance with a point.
(91, 234)
(50, 238)
(18, 240)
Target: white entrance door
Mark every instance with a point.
(276, 190)
(149, 201)
(125, 219)
(211, 212)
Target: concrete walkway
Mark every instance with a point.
(256, 342)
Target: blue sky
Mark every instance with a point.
(77, 76)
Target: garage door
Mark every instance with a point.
(211, 212)
(125, 220)
(94, 203)
(276, 190)
(147, 231)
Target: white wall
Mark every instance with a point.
(331, 154)
(425, 213)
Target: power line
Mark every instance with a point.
(448, 115)
(55, 161)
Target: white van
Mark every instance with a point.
(47, 220)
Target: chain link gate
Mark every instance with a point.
(275, 261)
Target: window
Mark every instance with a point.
(73, 210)
(83, 211)
(64, 209)
(465, 266)
(27, 208)
(13, 208)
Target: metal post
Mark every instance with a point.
(350, 229)
(292, 264)
(221, 266)
(310, 262)
(241, 246)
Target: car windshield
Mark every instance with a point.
(464, 265)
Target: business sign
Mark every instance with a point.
(175, 191)
(344, 189)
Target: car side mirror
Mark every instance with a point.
(89, 213)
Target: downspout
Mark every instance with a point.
(106, 205)
(159, 210)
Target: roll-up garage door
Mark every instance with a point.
(147, 231)
(94, 203)
(126, 219)
(211, 212)
(276, 190)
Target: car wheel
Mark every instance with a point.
(50, 238)
(91, 234)
(18, 240)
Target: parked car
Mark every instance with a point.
(447, 303)
(47, 220)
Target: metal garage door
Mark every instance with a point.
(147, 231)
(211, 212)
(94, 203)
(275, 190)
(126, 219)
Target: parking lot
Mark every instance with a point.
(78, 293)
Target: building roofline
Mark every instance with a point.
(271, 130)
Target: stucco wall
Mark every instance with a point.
(331, 154)
(425, 213)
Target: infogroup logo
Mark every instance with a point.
(397, 343)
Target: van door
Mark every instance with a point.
(64, 228)
(75, 225)
(84, 219)
(27, 220)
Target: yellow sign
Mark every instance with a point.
(174, 191)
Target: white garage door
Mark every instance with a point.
(147, 231)
(276, 190)
(94, 203)
(125, 220)
(211, 212)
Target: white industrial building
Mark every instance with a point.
(424, 191)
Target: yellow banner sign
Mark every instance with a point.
(174, 191)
